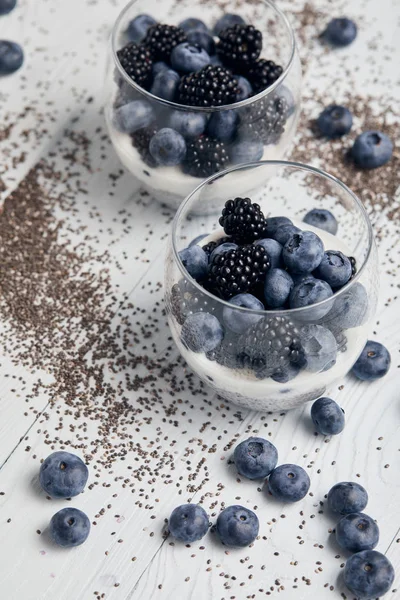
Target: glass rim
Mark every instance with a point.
(295, 166)
(205, 109)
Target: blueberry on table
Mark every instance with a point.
(272, 224)
(168, 147)
(11, 57)
(188, 523)
(368, 574)
(239, 321)
(227, 20)
(237, 526)
(327, 416)
(289, 483)
(165, 85)
(373, 363)
(6, 6)
(202, 332)
(245, 89)
(69, 527)
(195, 261)
(303, 252)
(138, 27)
(323, 219)
(225, 247)
(246, 151)
(340, 32)
(372, 149)
(199, 37)
(335, 121)
(134, 116)
(284, 232)
(347, 497)
(356, 532)
(255, 458)
(187, 58)
(319, 346)
(192, 23)
(335, 268)
(274, 251)
(222, 125)
(188, 124)
(63, 475)
(277, 287)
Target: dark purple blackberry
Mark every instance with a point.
(238, 270)
(353, 263)
(204, 157)
(243, 220)
(270, 124)
(141, 140)
(161, 40)
(211, 86)
(263, 73)
(239, 46)
(137, 63)
(186, 299)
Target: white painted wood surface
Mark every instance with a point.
(295, 558)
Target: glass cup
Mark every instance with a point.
(273, 360)
(261, 126)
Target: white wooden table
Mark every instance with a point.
(183, 441)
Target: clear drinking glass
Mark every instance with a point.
(325, 339)
(266, 120)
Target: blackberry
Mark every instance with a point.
(162, 39)
(211, 86)
(243, 219)
(204, 157)
(239, 46)
(137, 63)
(353, 263)
(186, 299)
(141, 140)
(271, 122)
(263, 73)
(238, 270)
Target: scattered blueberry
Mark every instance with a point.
(350, 308)
(6, 6)
(199, 37)
(286, 373)
(195, 261)
(198, 239)
(188, 124)
(138, 27)
(334, 268)
(237, 526)
(134, 116)
(244, 87)
(222, 125)
(372, 149)
(167, 147)
(277, 287)
(289, 483)
(373, 363)
(63, 475)
(188, 523)
(160, 66)
(225, 247)
(335, 121)
(309, 292)
(273, 223)
(238, 321)
(319, 346)
(340, 32)
(246, 151)
(285, 93)
(255, 458)
(192, 23)
(327, 416)
(368, 574)
(303, 252)
(165, 84)
(228, 20)
(274, 251)
(323, 219)
(357, 532)
(202, 332)
(11, 57)
(284, 232)
(69, 527)
(188, 58)
(347, 497)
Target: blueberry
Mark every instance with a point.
(309, 292)
(168, 147)
(238, 321)
(228, 20)
(368, 574)
(319, 346)
(373, 363)
(198, 239)
(222, 125)
(202, 332)
(222, 249)
(195, 261)
(188, 124)
(372, 149)
(286, 373)
(199, 37)
(188, 523)
(6, 6)
(165, 85)
(11, 57)
(289, 483)
(284, 232)
(357, 532)
(244, 87)
(286, 94)
(192, 23)
(216, 61)
(335, 121)
(138, 28)
(160, 66)
(69, 527)
(246, 151)
(274, 251)
(273, 223)
(323, 219)
(334, 268)
(300, 278)
(340, 32)
(350, 308)
(188, 58)
(327, 416)
(277, 287)
(303, 252)
(347, 497)
(255, 458)
(63, 475)
(237, 526)
(134, 116)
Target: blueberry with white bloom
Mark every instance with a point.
(237, 526)
(255, 458)
(340, 32)
(165, 85)
(195, 261)
(237, 321)
(334, 268)
(138, 28)
(335, 121)
(327, 416)
(277, 287)
(69, 527)
(274, 251)
(372, 149)
(187, 58)
(357, 532)
(63, 475)
(303, 252)
(222, 125)
(134, 116)
(347, 497)
(188, 523)
(168, 147)
(188, 124)
(373, 362)
(368, 574)
(289, 483)
(202, 332)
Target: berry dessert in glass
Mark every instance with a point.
(192, 90)
(271, 302)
